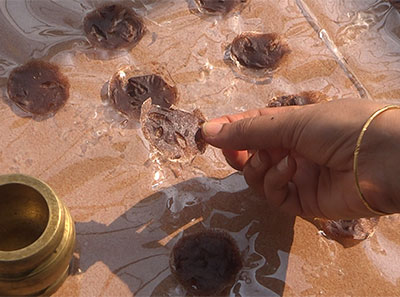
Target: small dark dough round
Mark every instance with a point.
(128, 94)
(304, 98)
(38, 87)
(258, 51)
(113, 27)
(348, 232)
(206, 263)
(219, 6)
(289, 100)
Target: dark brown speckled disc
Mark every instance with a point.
(218, 6)
(206, 263)
(113, 26)
(303, 98)
(38, 87)
(127, 94)
(348, 232)
(289, 100)
(258, 51)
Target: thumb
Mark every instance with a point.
(275, 130)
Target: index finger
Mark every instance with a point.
(226, 119)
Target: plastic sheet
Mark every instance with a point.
(129, 209)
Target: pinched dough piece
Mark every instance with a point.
(258, 51)
(174, 133)
(113, 26)
(348, 232)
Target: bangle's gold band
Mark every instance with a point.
(357, 151)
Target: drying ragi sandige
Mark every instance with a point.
(38, 87)
(218, 6)
(348, 232)
(127, 94)
(206, 263)
(258, 51)
(174, 133)
(301, 99)
(113, 26)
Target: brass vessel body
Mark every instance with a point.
(37, 237)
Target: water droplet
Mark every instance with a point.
(157, 175)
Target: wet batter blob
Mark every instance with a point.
(174, 133)
(258, 51)
(300, 99)
(218, 6)
(113, 27)
(128, 94)
(38, 87)
(348, 232)
(206, 263)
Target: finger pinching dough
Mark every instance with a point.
(346, 232)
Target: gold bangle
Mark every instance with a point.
(357, 151)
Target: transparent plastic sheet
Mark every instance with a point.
(366, 36)
(129, 208)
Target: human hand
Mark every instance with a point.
(301, 157)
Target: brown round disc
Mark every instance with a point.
(128, 93)
(218, 6)
(289, 100)
(38, 87)
(258, 51)
(113, 27)
(304, 98)
(206, 263)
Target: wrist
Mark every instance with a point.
(379, 163)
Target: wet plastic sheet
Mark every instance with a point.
(130, 209)
(365, 37)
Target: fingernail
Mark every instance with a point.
(212, 129)
(255, 160)
(283, 164)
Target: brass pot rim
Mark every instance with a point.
(53, 223)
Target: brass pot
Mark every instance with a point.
(37, 237)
